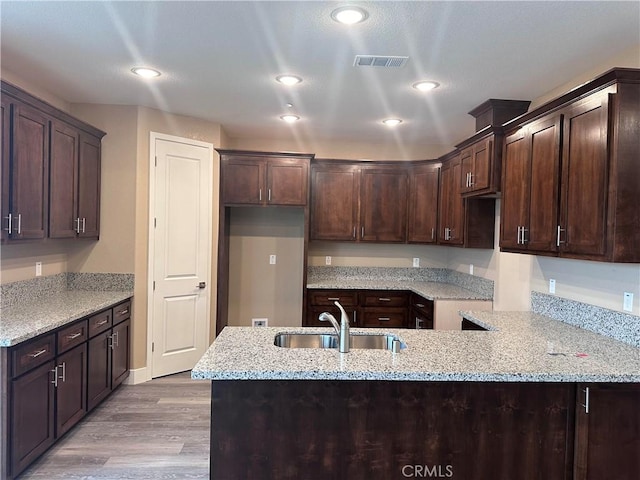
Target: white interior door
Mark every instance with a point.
(181, 224)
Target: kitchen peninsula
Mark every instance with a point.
(504, 403)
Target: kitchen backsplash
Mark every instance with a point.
(443, 275)
(17, 292)
(621, 326)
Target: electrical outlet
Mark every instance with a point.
(471, 269)
(627, 304)
(327, 260)
(272, 259)
(260, 322)
(416, 262)
(552, 285)
(38, 269)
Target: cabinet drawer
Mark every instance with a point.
(33, 353)
(314, 312)
(121, 312)
(346, 298)
(100, 322)
(71, 336)
(391, 318)
(383, 298)
(423, 306)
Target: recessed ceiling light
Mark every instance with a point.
(392, 122)
(290, 118)
(425, 86)
(145, 72)
(349, 15)
(288, 79)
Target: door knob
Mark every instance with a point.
(202, 285)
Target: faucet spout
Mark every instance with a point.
(342, 329)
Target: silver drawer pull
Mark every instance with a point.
(334, 299)
(55, 376)
(102, 322)
(384, 319)
(126, 310)
(63, 366)
(382, 299)
(37, 354)
(74, 335)
(420, 305)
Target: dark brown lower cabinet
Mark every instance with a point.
(32, 416)
(71, 391)
(120, 353)
(357, 430)
(607, 444)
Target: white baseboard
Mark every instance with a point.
(137, 375)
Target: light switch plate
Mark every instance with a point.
(627, 304)
(272, 259)
(416, 262)
(552, 285)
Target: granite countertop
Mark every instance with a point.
(46, 313)
(515, 349)
(429, 290)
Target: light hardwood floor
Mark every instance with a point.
(156, 430)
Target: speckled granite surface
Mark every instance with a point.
(37, 306)
(621, 326)
(515, 350)
(431, 283)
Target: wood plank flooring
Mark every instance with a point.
(152, 431)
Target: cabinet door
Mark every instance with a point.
(98, 369)
(423, 204)
(5, 132)
(444, 203)
(480, 178)
(457, 206)
(71, 394)
(287, 181)
(514, 209)
(120, 353)
(29, 174)
(243, 181)
(383, 205)
(89, 186)
(32, 416)
(334, 202)
(63, 191)
(585, 177)
(607, 438)
(544, 140)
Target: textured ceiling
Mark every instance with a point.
(219, 59)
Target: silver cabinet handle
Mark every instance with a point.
(126, 310)
(116, 339)
(470, 179)
(19, 224)
(334, 299)
(433, 233)
(84, 223)
(362, 232)
(101, 322)
(55, 376)
(586, 400)
(269, 194)
(384, 319)
(260, 194)
(354, 231)
(77, 223)
(63, 366)
(420, 305)
(38, 353)
(518, 238)
(9, 223)
(355, 318)
(558, 241)
(419, 322)
(524, 235)
(383, 299)
(74, 335)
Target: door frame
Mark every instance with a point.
(153, 137)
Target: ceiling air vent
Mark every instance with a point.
(380, 61)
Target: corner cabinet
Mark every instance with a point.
(359, 202)
(50, 171)
(571, 175)
(254, 178)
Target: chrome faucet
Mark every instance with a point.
(342, 330)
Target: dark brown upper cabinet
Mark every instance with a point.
(50, 171)
(424, 181)
(480, 171)
(571, 180)
(260, 178)
(359, 202)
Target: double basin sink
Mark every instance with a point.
(327, 340)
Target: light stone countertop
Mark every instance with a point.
(46, 313)
(429, 290)
(514, 350)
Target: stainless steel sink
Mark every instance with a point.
(327, 340)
